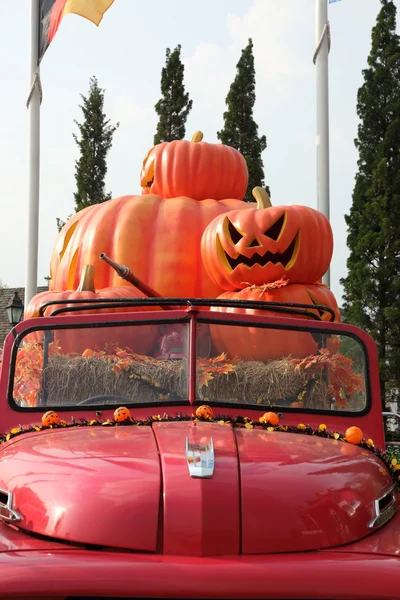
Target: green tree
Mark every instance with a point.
(240, 129)
(94, 142)
(372, 285)
(174, 105)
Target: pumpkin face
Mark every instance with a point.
(158, 239)
(254, 343)
(195, 169)
(204, 411)
(141, 339)
(50, 418)
(122, 414)
(263, 244)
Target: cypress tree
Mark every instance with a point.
(94, 142)
(240, 129)
(174, 106)
(372, 285)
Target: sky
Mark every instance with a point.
(127, 52)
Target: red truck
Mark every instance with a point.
(137, 460)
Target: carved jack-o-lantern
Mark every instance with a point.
(253, 343)
(122, 414)
(50, 418)
(263, 244)
(195, 169)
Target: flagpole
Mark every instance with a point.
(34, 99)
(322, 34)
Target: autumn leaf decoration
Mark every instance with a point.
(343, 382)
(28, 371)
(123, 359)
(208, 367)
(266, 287)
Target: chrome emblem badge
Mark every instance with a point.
(200, 459)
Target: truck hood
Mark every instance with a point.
(130, 487)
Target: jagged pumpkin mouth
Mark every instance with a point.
(287, 258)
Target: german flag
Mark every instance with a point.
(51, 13)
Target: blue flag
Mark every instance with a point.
(332, 1)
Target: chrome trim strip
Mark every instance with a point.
(383, 517)
(200, 459)
(7, 513)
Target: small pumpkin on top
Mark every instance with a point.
(195, 169)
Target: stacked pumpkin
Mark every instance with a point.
(185, 185)
(157, 235)
(189, 234)
(270, 254)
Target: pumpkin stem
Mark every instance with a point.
(86, 283)
(261, 197)
(197, 137)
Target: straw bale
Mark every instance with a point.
(71, 380)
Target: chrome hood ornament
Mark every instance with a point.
(200, 459)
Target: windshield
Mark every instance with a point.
(148, 364)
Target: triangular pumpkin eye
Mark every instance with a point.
(236, 236)
(274, 231)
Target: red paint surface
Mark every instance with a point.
(201, 516)
(301, 492)
(323, 575)
(385, 541)
(94, 486)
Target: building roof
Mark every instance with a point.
(6, 296)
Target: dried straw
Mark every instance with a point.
(70, 380)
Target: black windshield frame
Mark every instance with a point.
(222, 318)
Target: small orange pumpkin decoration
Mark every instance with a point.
(266, 243)
(354, 435)
(122, 414)
(271, 418)
(195, 169)
(158, 239)
(254, 343)
(50, 418)
(204, 411)
(71, 341)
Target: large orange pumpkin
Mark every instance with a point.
(254, 343)
(195, 169)
(265, 243)
(141, 339)
(157, 238)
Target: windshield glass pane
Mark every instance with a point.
(282, 368)
(148, 364)
(103, 365)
